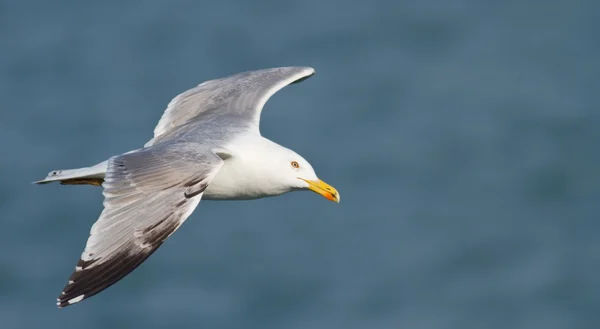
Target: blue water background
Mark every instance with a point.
(463, 137)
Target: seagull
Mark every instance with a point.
(207, 145)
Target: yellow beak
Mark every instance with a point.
(324, 189)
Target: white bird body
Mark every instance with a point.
(249, 171)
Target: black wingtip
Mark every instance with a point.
(62, 301)
(88, 280)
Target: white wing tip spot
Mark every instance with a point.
(71, 282)
(76, 299)
(78, 268)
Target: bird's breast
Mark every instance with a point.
(248, 173)
(234, 181)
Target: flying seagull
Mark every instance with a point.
(207, 144)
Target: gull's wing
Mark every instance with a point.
(147, 196)
(244, 93)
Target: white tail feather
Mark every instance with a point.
(96, 172)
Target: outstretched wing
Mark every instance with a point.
(147, 196)
(244, 93)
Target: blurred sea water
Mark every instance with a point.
(462, 135)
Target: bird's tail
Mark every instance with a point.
(89, 175)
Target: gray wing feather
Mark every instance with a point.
(148, 194)
(243, 94)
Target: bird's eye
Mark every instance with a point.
(295, 164)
